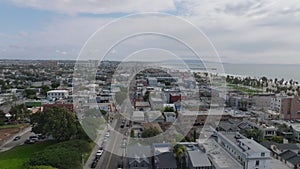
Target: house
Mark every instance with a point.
(142, 106)
(198, 160)
(165, 161)
(138, 116)
(228, 126)
(156, 101)
(278, 148)
(290, 158)
(268, 131)
(154, 117)
(164, 157)
(174, 97)
(139, 157)
(170, 116)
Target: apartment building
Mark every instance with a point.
(247, 152)
(287, 106)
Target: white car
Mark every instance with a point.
(99, 153)
(107, 135)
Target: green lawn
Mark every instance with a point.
(11, 126)
(246, 89)
(15, 158)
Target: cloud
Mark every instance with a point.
(263, 31)
(99, 6)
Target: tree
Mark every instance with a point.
(2, 117)
(277, 139)
(179, 151)
(55, 85)
(132, 133)
(45, 89)
(151, 132)
(29, 93)
(20, 112)
(57, 122)
(169, 109)
(255, 134)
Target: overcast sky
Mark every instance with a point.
(242, 31)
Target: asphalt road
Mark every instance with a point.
(11, 143)
(113, 149)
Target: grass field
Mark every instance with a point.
(11, 126)
(16, 157)
(246, 89)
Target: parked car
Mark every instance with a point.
(94, 164)
(99, 153)
(17, 138)
(34, 138)
(29, 141)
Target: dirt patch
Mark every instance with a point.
(7, 133)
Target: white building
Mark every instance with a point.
(57, 94)
(247, 152)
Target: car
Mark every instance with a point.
(99, 153)
(29, 141)
(96, 158)
(94, 164)
(17, 138)
(41, 136)
(100, 148)
(34, 138)
(107, 135)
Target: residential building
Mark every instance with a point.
(57, 94)
(156, 101)
(247, 152)
(142, 106)
(139, 157)
(67, 106)
(287, 106)
(164, 157)
(219, 157)
(138, 116)
(154, 117)
(198, 160)
(170, 116)
(261, 101)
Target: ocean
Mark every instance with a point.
(272, 71)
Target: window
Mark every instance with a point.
(257, 163)
(263, 154)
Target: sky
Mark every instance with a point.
(241, 31)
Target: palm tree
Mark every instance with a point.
(180, 154)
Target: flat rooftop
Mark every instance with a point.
(219, 157)
(253, 145)
(199, 159)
